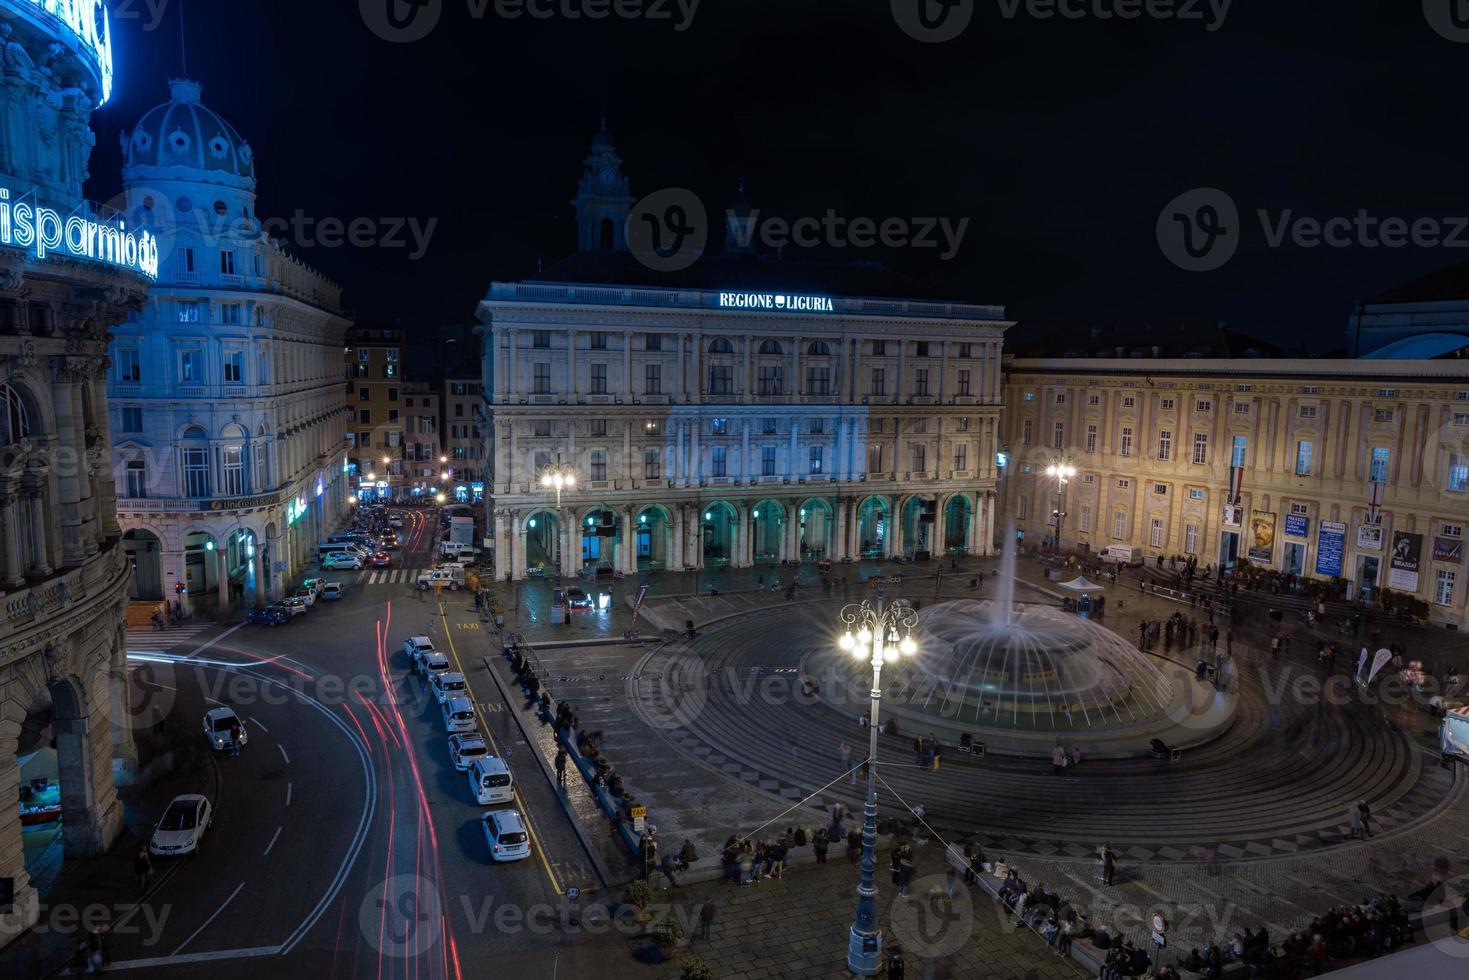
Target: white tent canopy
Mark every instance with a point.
(1080, 584)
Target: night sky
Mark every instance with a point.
(1060, 140)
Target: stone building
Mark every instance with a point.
(374, 368)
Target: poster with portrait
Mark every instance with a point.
(1262, 536)
(1407, 552)
(1369, 536)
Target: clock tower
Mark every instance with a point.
(602, 200)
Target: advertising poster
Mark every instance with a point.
(1330, 543)
(1407, 552)
(1262, 536)
(1369, 536)
(1231, 515)
(1297, 526)
(1448, 549)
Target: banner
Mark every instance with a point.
(1374, 502)
(1236, 483)
(1231, 515)
(1297, 526)
(1380, 660)
(1262, 536)
(1369, 536)
(638, 603)
(1448, 549)
(1331, 541)
(1407, 552)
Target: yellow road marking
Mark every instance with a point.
(515, 787)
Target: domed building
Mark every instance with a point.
(229, 429)
(69, 271)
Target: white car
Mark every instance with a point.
(295, 604)
(465, 748)
(218, 723)
(431, 663)
(340, 561)
(441, 578)
(306, 595)
(505, 832)
(447, 685)
(458, 715)
(395, 521)
(415, 646)
(181, 827)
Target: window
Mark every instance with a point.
(1382, 415)
(769, 427)
(1461, 418)
(1458, 473)
(1165, 445)
(1203, 406)
(136, 484)
(1126, 449)
(721, 379)
(879, 382)
(771, 379)
(232, 469)
(879, 348)
(196, 472)
(541, 428)
(599, 340)
(392, 394)
(1124, 484)
(191, 367)
(920, 458)
(652, 379)
(963, 384)
(229, 313)
(186, 257)
(1201, 448)
(961, 456)
(365, 416)
(1155, 533)
(919, 425)
(1443, 587)
(1058, 436)
(874, 459)
(1084, 522)
(364, 394)
(1128, 401)
(767, 461)
(599, 380)
(719, 462)
(653, 341)
(966, 350)
(1242, 408)
(1297, 508)
(390, 371)
(234, 367)
(597, 427)
(364, 353)
(720, 346)
(1378, 471)
(364, 440)
(132, 418)
(1026, 427)
(1161, 489)
(542, 460)
(817, 426)
(1191, 539)
(541, 378)
(1030, 396)
(652, 465)
(1093, 400)
(227, 262)
(392, 415)
(818, 380)
(1165, 404)
(1119, 525)
(719, 427)
(1237, 453)
(963, 423)
(1091, 438)
(1308, 411)
(1451, 530)
(540, 339)
(128, 367)
(920, 382)
(922, 348)
(814, 458)
(598, 464)
(1303, 458)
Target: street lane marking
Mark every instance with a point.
(260, 724)
(273, 839)
(283, 753)
(154, 962)
(210, 919)
(288, 794)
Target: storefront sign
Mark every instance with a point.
(778, 302)
(1369, 536)
(87, 21)
(240, 503)
(42, 231)
(1262, 536)
(1297, 526)
(1331, 541)
(1407, 553)
(1448, 549)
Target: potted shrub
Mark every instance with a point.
(695, 968)
(668, 934)
(639, 895)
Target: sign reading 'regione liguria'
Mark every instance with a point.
(781, 302)
(44, 230)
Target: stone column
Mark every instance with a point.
(40, 567)
(517, 546)
(90, 813)
(939, 541)
(104, 485)
(120, 700)
(988, 544)
(26, 908)
(627, 545)
(674, 559)
(221, 557)
(839, 544)
(71, 460)
(11, 574)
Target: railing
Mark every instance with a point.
(46, 599)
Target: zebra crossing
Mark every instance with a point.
(388, 576)
(166, 640)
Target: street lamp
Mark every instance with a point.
(1060, 472)
(883, 634)
(558, 478)
(438, 498)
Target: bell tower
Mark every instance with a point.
(602, 200)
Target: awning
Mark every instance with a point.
(1080, 584)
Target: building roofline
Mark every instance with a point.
(1345, 368)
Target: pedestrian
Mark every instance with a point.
(846, 751)
(819, 844)
(950, 877)
(854, 845)
(706, 918)
(1366, 812)
(1109, 864)
(1075, 756)
(1058, 759)
(904, 872)
(666, 866)
(98, 938)
(1354, 820)
(937, 752)
(561, 764)
(143, 868)
(234, 738)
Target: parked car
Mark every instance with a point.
(306, 595)
(315, 585)
(416, 647)
(341, 560)
(297, 607)
(465, 748)
(578, 599)
(268, 615)
(505, 832)
(447, 685)
(441, 578)
(382, 560)
(390, 540)
(332, 591)
(395, 521)
(181, 827)
(432, 662)
(218, 723)
(491, 782)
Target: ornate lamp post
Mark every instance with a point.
(883, 633)
(558, 478)
(1060, 472)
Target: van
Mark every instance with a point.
(456, 549)
(490, 781)
(458, 715)
(1123, 554)
(334, 548)
(441, 578)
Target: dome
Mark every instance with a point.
(184, 133)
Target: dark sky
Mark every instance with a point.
(1060, 140)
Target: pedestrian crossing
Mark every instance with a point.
(388, 576)
(172, 638)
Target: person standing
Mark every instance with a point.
(1109, 864)
(561, 765)
(1366, 813)
(234, 738)
(1075, 756)
(1354, 820)
(706, 919)
(846, 751)
(1058, 759)
(819, 844)
(143, 868)
(903, 873)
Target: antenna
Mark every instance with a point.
(183, 43)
